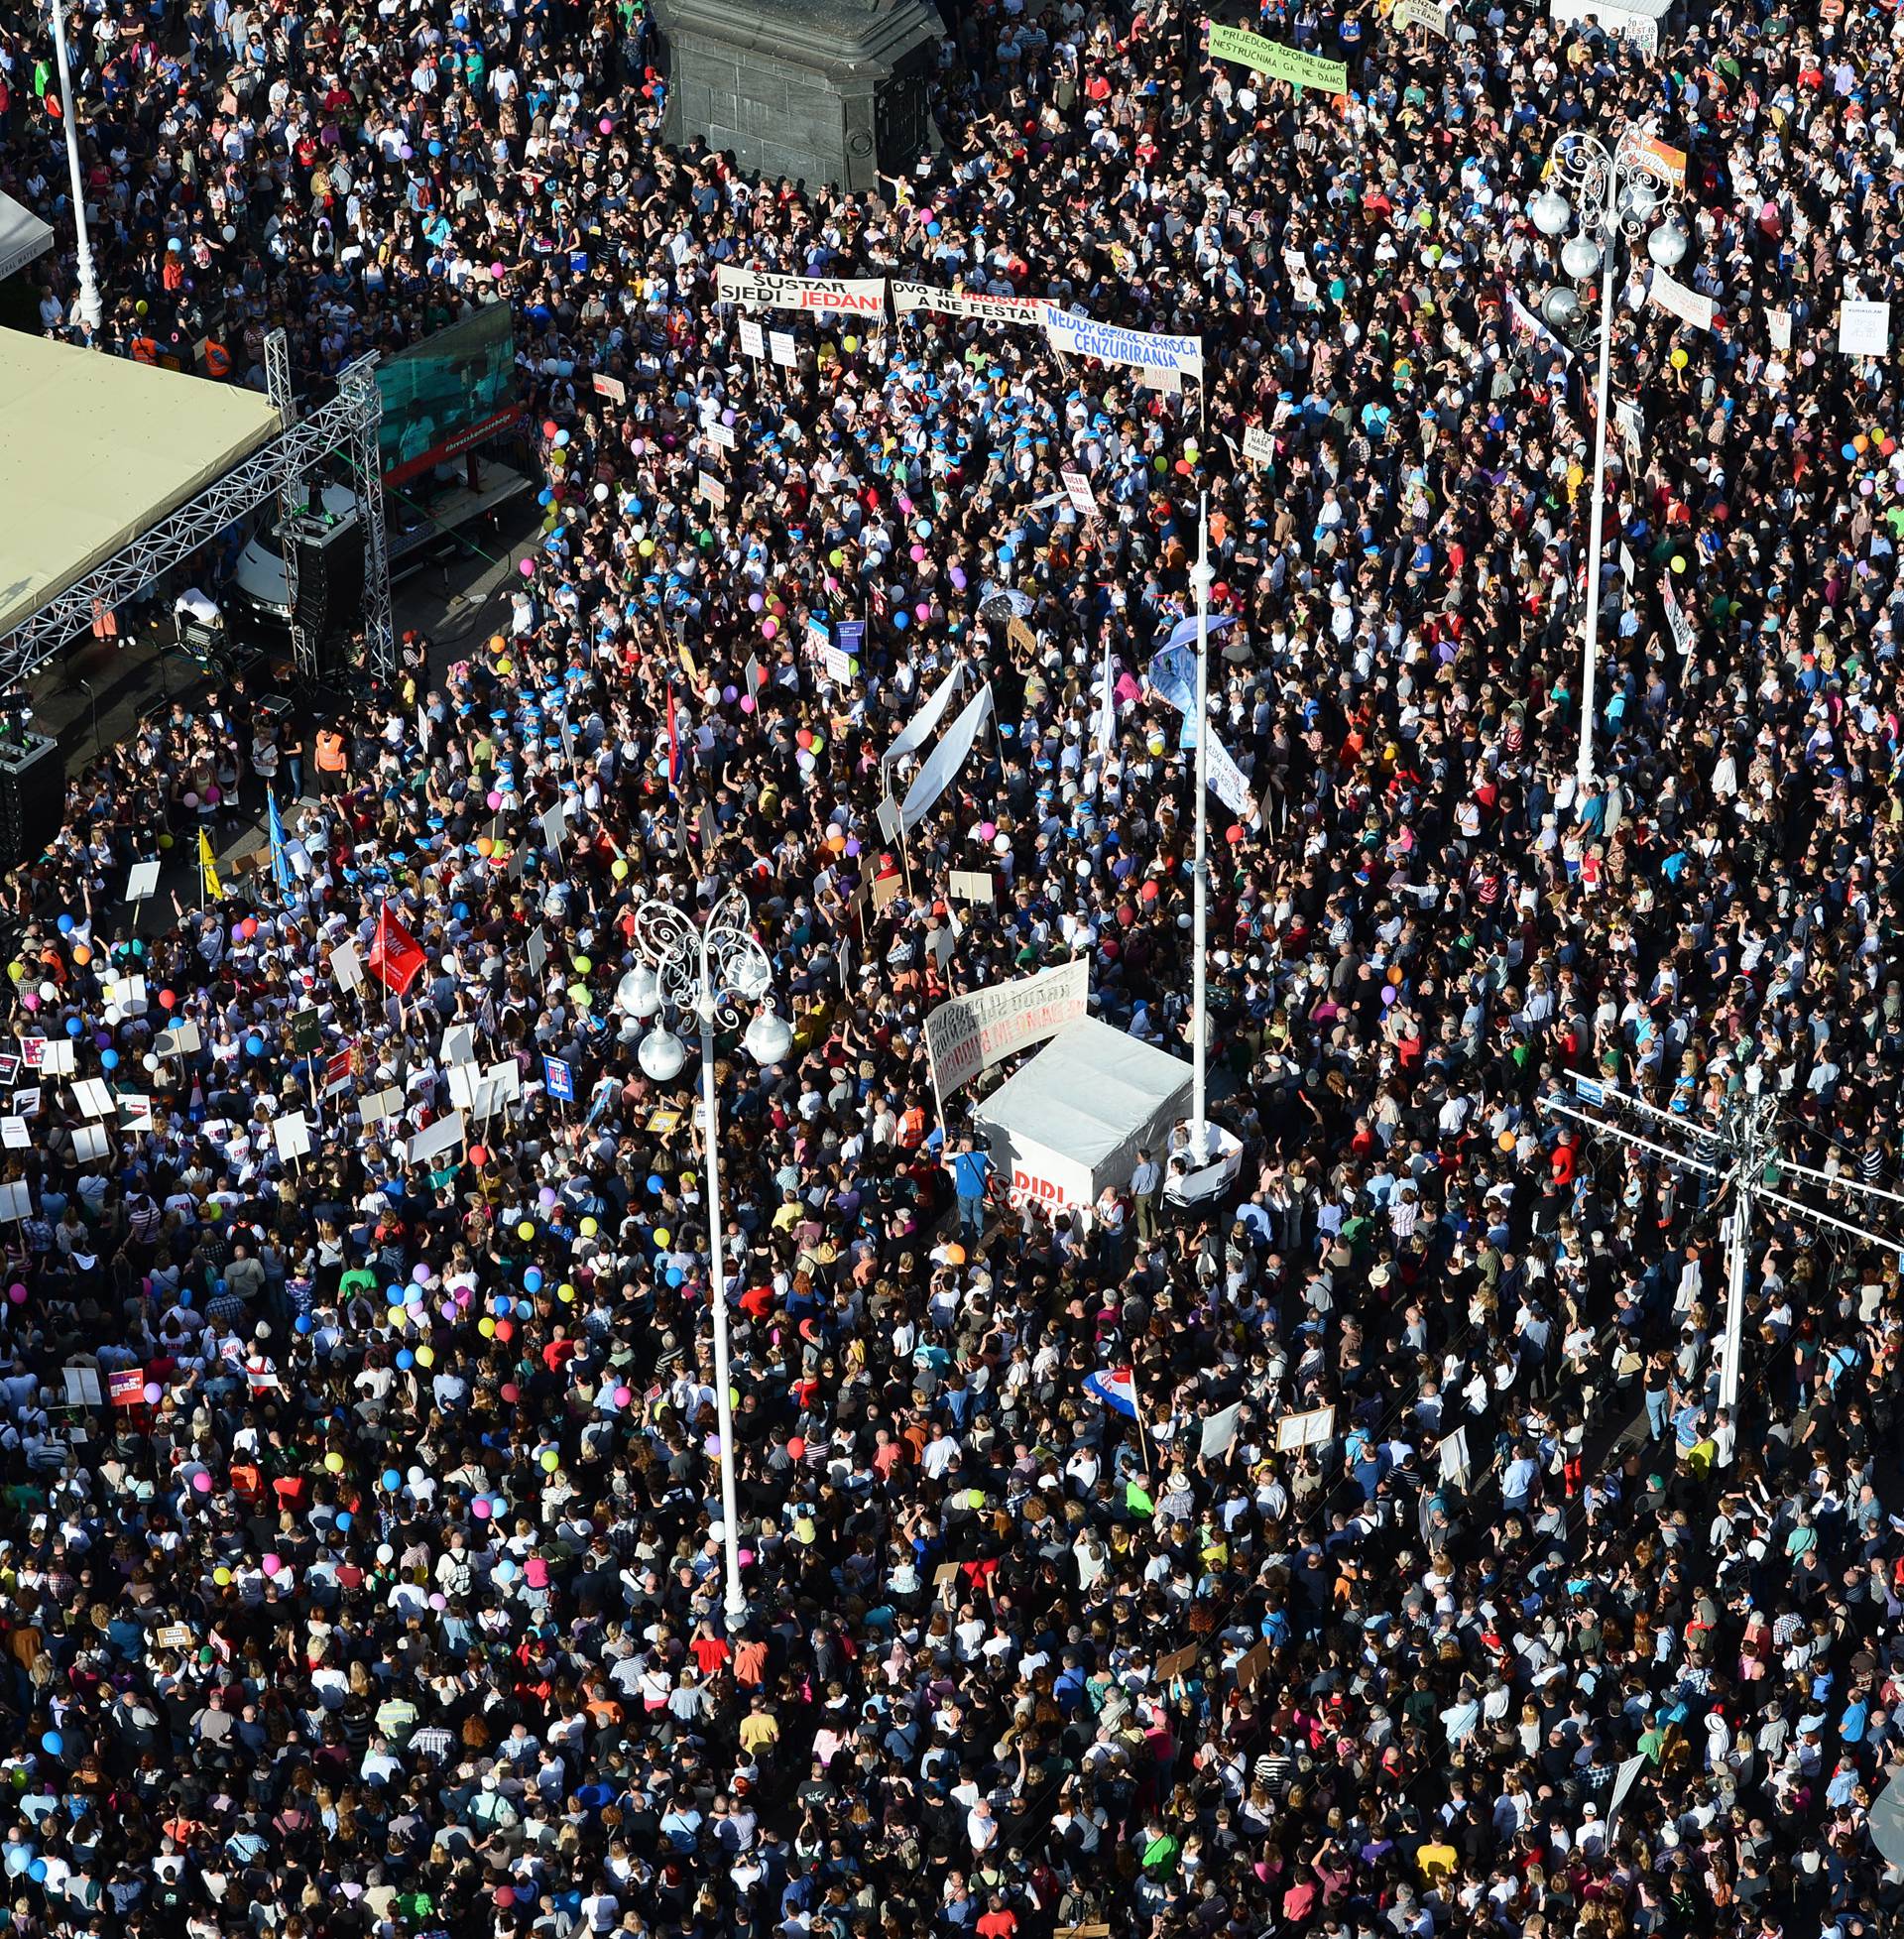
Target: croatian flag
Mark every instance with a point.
(1114, 1389)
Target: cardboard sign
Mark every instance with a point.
(292, 1136)
(781, 343)
(972, 886)
(611, 387)
(1865, 330)
(752, 338)
(1258, 446)
(1316, 1429)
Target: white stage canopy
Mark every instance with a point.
(24, 238)
(97, 450)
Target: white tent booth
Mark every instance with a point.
(1070, 1122)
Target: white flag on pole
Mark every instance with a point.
(923, 724)
(937, 770)
(1227, 782)
(1106, 710)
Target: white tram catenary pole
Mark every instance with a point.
(1746, 1153)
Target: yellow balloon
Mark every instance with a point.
(222, 1577)
(1679, 360)
(486, 1327)
(334, 1462)
(590, 1228)
(618, 869)
(425, 1355)
(566, 1296)
(551, 1460)
(661, 1236)
(583, 966)
(526, 1230)
(505, 665)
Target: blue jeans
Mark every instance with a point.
(971, 1215)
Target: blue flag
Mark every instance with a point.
(280, 861)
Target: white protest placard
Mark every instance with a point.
(89, 1143)
(463, 1079)
(555, 825)
(1079, 488)
(719, 435)
(141, 881)
(82, 1386)
(752, 338)
(1778, 327)
(346, 970)
(94, 1095)
(379, 1107)
(459, 1044)
(16, 1201)
(1626, 416)
(59, 1059)
(781, 343)
(1680, 626)
(1423, 14)
(1258, 445)
(837, 664)
(1677, 301)
(445, 1134)
(13, 1134)
(135, 1110)
(505, 1079)
(1315, 1428)
(713, 489)
(972, 886)
(1454, 1457)
(182, 1040)
(1628, 572)
(1624, 1781)
(1220, 1431)
(290, 1134)
(1864, 329)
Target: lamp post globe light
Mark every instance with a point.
(1613, 194)
(711, 974)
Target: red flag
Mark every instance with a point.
(395, 957)
(673, 740)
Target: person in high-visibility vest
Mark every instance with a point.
(333, 760)
(144, 349)
(217, 360)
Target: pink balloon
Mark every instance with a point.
(479, 1508)
(31, 998)
(768, 628)
(270, 1564)
(439, 1600)
(201, 1482)
(622, 1395)
(526, 569)
(746, 703)
(494, 798)
(18, 1294)
(918, 555)
(923, 609)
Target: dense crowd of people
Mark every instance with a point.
(361, 1557)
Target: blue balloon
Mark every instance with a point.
(392, 1480)
(52, 1744)
(343, 1518)
(73, 1026)
(502, 1306)
(406, 1359)
(255, 1044)
(36, 1872)
(532, 1279)
(303, 1323)
(65, 925)
(217, 1287)
(655, 1183)
(674, 1276)
(461, 912)
(394, 1296)
(902, 619)
(109, 1058)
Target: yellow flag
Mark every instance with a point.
(208, 869)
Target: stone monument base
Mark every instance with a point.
(819, 90)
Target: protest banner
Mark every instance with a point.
(974, 303)
(825, 296)
(966, 1037)
(1277, 62)
(1080, 336)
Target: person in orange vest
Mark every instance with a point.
(217, 360)
(333, 760)
(145, 349)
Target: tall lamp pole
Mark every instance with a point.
(1613, 194)
(712, 974)
(1201, 580)
(92, 313)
